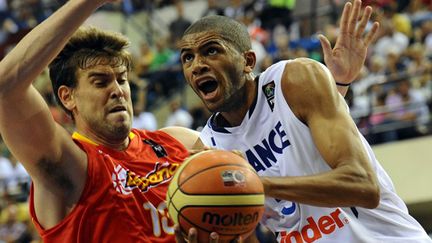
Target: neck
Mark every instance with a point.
(235, 117)
(119, 144)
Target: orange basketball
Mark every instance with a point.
(216, 191)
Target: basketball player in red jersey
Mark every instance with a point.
(107, 183)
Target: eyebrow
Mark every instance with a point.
(103, 74)
(200, 47)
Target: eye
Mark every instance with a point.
(100, 83)
(212, 51)
(122, 80)
(187, 58)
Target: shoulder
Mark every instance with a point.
(307, 76)
(299, 71)
(307, 85)
(188, 137)
(307, 71)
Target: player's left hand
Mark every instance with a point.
(346, 59)
(193, 236)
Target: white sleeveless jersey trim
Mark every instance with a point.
(277, 143)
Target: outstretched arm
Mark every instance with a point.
(351, 181)
(38, 48)
(347, 58)
(57, 166)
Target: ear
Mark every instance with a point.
(66, 97)
(250, 61)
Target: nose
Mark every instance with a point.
(199, 66)
(117, 90)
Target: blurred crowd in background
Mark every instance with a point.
(391, 100)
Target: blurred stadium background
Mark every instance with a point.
(390, 101)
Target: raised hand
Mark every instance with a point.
(347, 57)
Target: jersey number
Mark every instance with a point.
(159, 218)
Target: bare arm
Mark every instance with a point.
(188, 137)
(351, 180)
(46, 150)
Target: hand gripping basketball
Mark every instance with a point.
(216, 191)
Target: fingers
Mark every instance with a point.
(214, 237)
(237, 240)
(352, 22)
(345, 16)
(372, 34)
(193, 235)
(179, 235)
(363, 22)
(326, 46)
(350, 25)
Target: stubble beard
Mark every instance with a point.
(113, 132)
(231, 102)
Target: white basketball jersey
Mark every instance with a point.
(276, 143)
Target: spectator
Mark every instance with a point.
(200, 115)
(409, 108)
(178, 116)
(12, 230)
(162, 56)
(178, 25)
(277, 12)
(212, 8)
(419, 64)
(390, 40)
(5, 174)
(379, 120)
(235, 9)
(144, 60)
(18, 182)
(400, 21)
(142, 119)
(280, 48)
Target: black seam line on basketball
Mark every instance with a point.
(225, 194)
(215, 166)
(223, 206)
(170, 195)
(175, 208)
(198, 227)
(178, 185)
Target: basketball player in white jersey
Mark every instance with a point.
(321, 178)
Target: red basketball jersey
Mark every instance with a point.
(124, 196)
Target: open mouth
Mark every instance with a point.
(208, 86)
(118, 109)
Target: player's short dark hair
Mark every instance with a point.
(229, 29)
(88, 47)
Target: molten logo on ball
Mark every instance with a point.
(236, 219)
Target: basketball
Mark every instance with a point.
(216, 191)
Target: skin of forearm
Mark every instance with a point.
(22, 65)
(341, 187)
